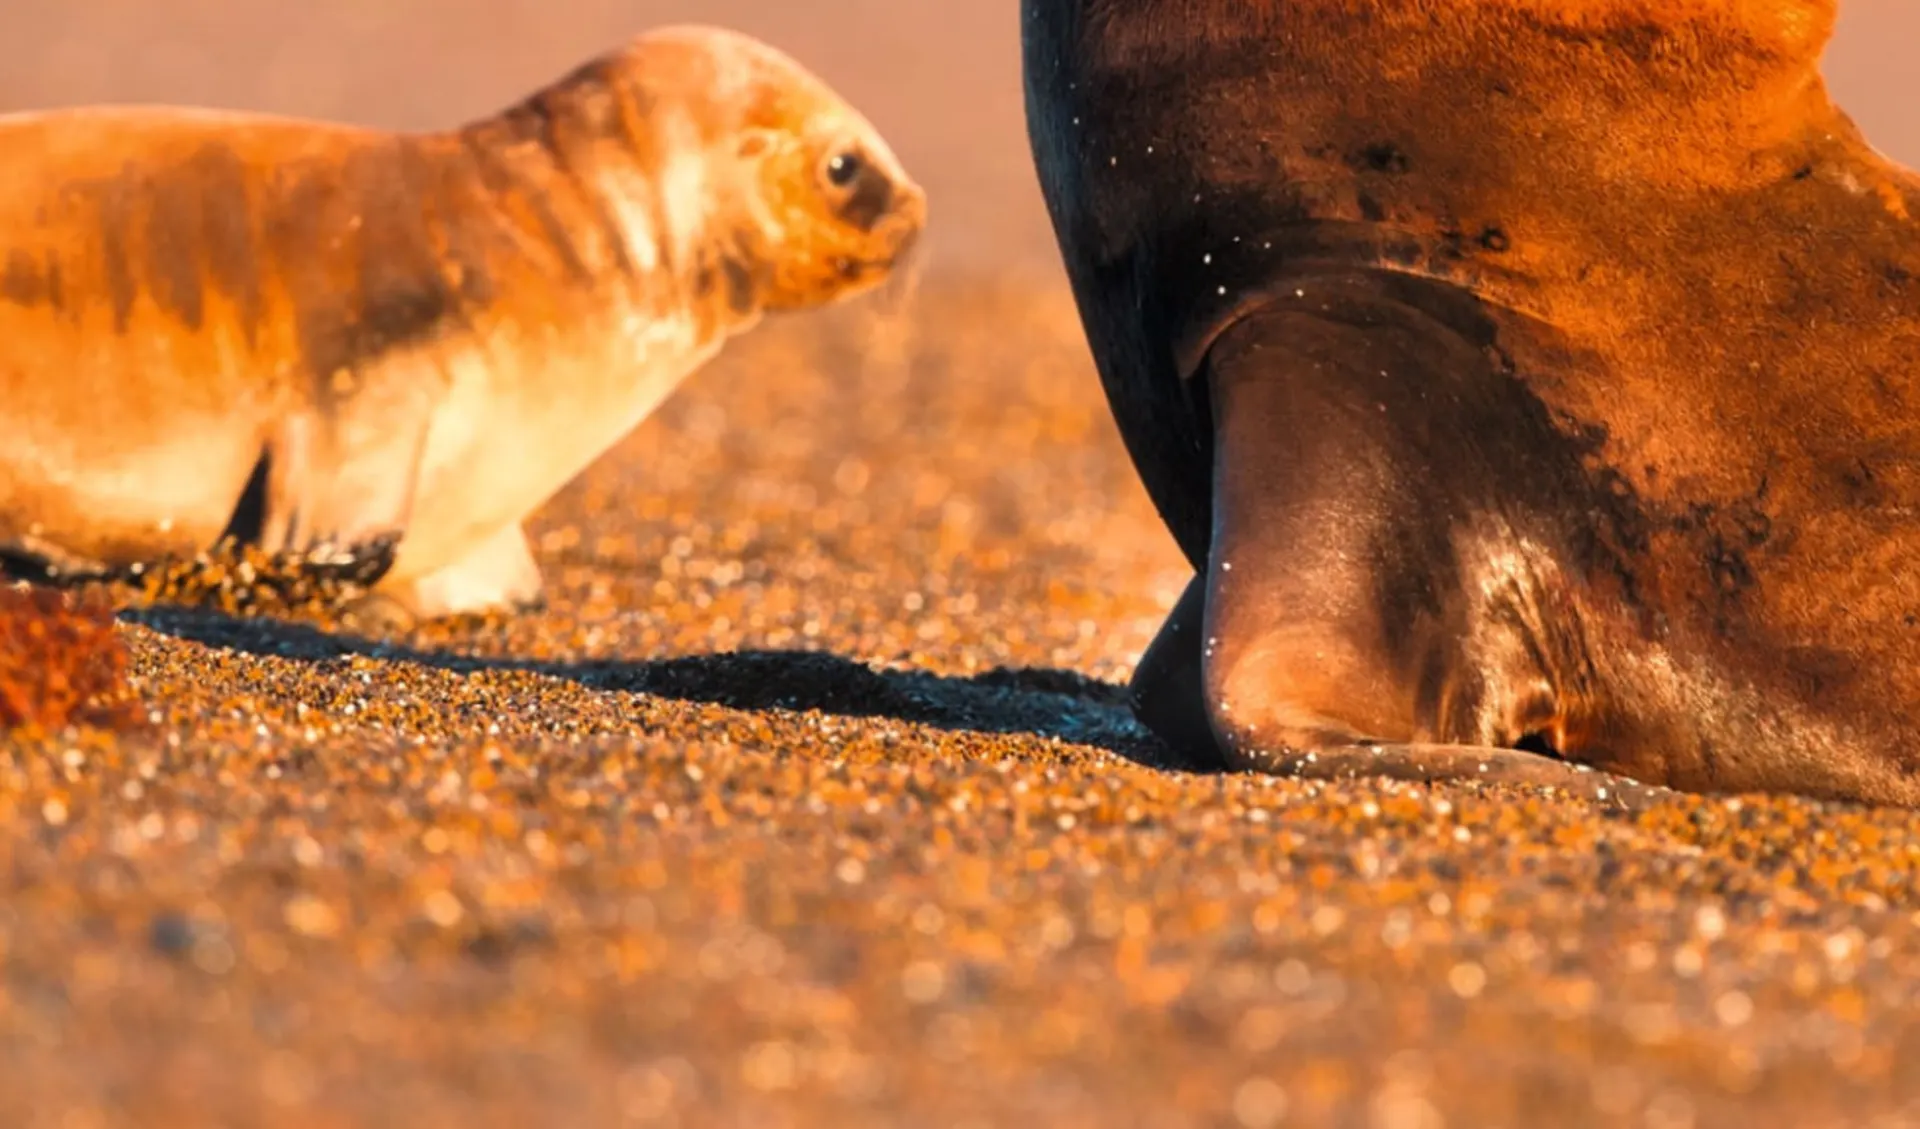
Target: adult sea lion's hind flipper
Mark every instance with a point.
(1166, 692)
(1461, 764)
(1169, 698)
(1350, 457)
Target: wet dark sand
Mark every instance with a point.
(811, 800)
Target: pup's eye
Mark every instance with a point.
(843, 168)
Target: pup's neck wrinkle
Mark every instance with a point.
(599, 140)
(635, 195)
(528, 179)
(701, 211)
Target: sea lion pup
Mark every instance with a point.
(1532, 383)
(344, 344)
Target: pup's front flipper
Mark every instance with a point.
(498, 575)
(337, 482)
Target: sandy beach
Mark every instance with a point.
(811, 798)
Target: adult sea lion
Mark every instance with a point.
(1532, 383)
(346, 345)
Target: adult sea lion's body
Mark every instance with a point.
(1520, 376)
(336, 342)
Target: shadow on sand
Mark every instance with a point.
(1035, 702)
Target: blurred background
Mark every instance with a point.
(939, 77)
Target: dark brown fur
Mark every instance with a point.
(1545, 368)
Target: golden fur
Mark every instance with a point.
(418, 334)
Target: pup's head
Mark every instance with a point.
(823, 207)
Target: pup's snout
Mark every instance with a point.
(902, 228)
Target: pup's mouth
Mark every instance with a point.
(898, 234)
(854, 270)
